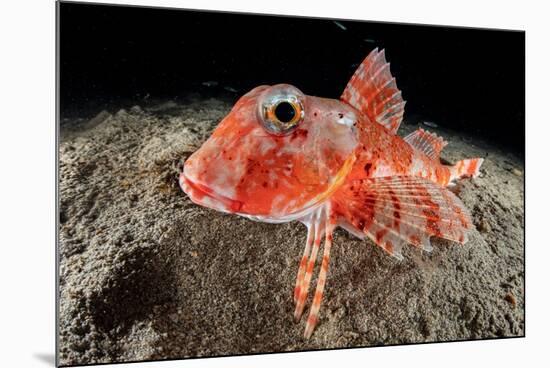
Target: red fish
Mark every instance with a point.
(281, 156)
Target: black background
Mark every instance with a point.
(466, 79)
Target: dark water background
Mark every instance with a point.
(469, 80)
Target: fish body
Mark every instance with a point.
(281, 156)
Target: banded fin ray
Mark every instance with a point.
(415, 210)
(373, 91)
(426, 142)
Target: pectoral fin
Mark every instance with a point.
(394, 211)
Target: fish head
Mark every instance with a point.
(277, 154)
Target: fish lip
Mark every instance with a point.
(194, 190)
(197, 192)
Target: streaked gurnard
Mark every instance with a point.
(280, 155)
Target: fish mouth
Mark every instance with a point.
(207, 197)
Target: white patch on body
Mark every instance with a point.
(383, 169)
(348, 119)
(212, 203)
(276, 204)
(224, 181)
(418, 166)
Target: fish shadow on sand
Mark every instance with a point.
(140, 280)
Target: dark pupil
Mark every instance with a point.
(285, 112)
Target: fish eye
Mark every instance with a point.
(282, 116)
(282, 110)
(285, 112)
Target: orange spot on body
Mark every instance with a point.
(442, 174)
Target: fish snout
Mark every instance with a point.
(205, 196)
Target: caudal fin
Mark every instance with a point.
(468, 168)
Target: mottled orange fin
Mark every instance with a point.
(394, 211)
(468, 168)
(428, 143)
(373, 91)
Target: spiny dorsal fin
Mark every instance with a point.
(372, 90)
(428, 143)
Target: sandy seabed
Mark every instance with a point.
(146, 274)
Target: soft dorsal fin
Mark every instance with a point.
(428, 143)
(373, 91)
